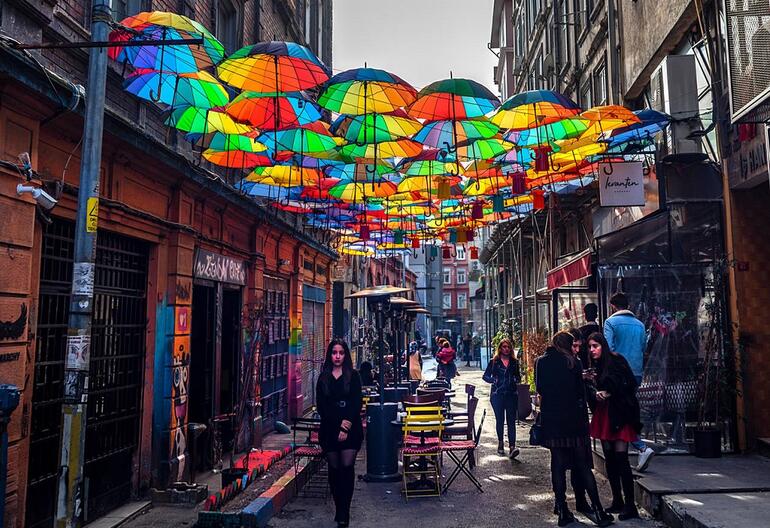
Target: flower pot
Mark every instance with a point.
(525, 403)
(708, 442)
(230, 475)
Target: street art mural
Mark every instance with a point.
(180, 362)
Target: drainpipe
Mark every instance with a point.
(612, 37)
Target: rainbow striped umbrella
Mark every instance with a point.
(453, 99)
(364, 91)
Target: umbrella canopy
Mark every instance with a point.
(204, 121)
(273, 111)
(160, 25)
(301, 140)
(199, 89)
(448, 133)
(534, 108)
(401, 148)
(366, 90)
(375, 128)
(271, 67)
(453, 99)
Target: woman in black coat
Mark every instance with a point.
(564, 422)
(612, 396)
(339, 400)
(504, 375)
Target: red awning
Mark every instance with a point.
(578, 267)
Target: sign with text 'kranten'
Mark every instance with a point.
(220, 268)
(621, 184)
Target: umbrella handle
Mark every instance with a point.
(371, 170)
(604, 169)
(160, 72)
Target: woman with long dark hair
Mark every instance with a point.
(338, 400)
(564, 423)
(612, 396)
(504, 375)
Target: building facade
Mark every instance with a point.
(455, 293)
(188, 272)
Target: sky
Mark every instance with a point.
(421, 41)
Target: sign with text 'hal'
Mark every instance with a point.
(220, 268)
(621, 184)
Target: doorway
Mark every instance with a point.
(202, 353)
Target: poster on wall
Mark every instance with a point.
(621, 184)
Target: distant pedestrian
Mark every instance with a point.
(626, 336)
(591, 315)
(468, 349)
(504, 375)
(339, 400)
(615, 422)
(446, 361)
(564, 423)
(415, 362)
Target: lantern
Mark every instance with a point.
(474, 253)
(446, 252)
(542, 159)
(443, 192)
(519, 185)
(538, 199)
(477, 210)
(415, 243)
(470, 235)
(453, 236)
(398, 236)
(498, 203)
(462, 236)
(364, 233)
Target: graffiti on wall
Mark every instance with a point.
(180, 361)
(15, 328)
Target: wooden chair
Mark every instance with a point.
(462, 452)
(421, 423)
(464, 423)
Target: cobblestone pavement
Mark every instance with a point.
(516, 493)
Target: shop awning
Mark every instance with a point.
(576, 268)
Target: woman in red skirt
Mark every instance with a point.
(612, 397)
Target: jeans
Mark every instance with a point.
(577, 459)
(506, 408)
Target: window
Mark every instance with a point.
(462, 276)
(462, 301)
(564, 22)
(460, 253)
(600, 84)
(578, 17)
(227, 25)
(446, 301)
(586, 97)
(447, 276)
(126, 8)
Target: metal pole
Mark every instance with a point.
(70, 493)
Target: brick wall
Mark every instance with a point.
(751, 217)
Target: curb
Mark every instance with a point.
(258, 513)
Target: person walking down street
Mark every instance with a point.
(415, 362)
(468, 349)
(504, 375)
(564, 426)
(612, 397)
(446, 361)
(626, 336)
(339, 400)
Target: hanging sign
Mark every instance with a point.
(220, 268)
(621, 184)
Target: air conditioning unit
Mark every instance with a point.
(674, 90)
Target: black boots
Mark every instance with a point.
(500, 448)
(582, 506)
(600, 517)
(627, 480)
(613, 475)
(565, 516)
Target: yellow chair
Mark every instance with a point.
(423, 428)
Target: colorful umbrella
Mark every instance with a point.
(199, 89)
(366, 90)
(159, 25)
(448, 133)
(204, 121)
(534, 108)
(273, 67)
(355, 192)
(375, 128)
(401, 148)
(271, 111)
(300, 140)
(453, 99)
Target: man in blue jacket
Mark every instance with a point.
(627, 336)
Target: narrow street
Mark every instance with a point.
(516, 493)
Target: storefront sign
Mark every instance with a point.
(621, 184)
(220, 268)
(747, 165)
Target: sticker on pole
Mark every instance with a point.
(83, 278)
(621, 184)
(92, 211)
(78, 351)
